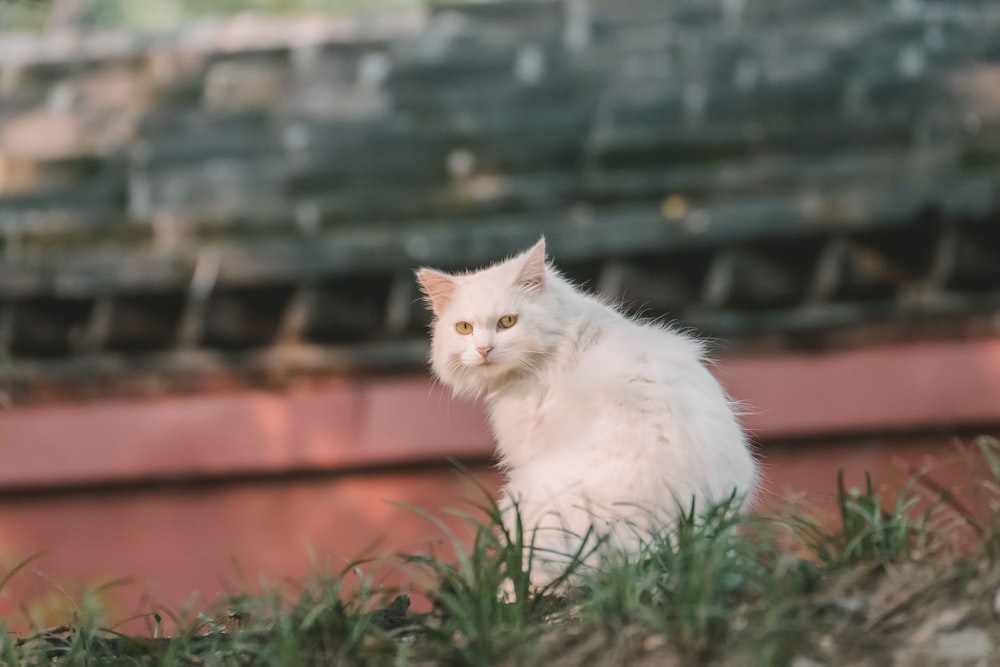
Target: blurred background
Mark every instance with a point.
(211, 344)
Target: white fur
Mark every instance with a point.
(601, 421)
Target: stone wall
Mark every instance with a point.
(252, 196)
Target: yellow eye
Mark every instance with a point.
(464, 328)
(507, 321)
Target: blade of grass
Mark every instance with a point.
(18, 568)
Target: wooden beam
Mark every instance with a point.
(298, 314)
(200, 288)
(399, 308)
(98, 327)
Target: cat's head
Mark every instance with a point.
(493, 324)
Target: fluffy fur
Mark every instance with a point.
(602, 422)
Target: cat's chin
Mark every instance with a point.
(489, 368)
(489, 371)
(475, 379)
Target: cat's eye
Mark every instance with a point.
(464, 328)
(507, 321)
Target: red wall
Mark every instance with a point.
(190, 496)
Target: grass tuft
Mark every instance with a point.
(718, 587)
(704, 585)
(868, 529)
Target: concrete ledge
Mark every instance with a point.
(343, 425)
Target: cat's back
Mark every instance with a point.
(650, 386)
(610, 344)
(616, 370)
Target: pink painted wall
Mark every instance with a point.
(174, 492)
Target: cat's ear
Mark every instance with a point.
(532, 273)
(438, 288)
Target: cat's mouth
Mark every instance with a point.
(489, 365)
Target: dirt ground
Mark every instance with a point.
(931, 614)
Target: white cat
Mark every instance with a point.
(602, 422)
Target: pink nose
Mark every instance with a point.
(484, 351)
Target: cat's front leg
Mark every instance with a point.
(556, 541)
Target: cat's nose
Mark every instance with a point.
(485, 350)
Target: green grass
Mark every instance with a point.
(717, 588)
(870, 528)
